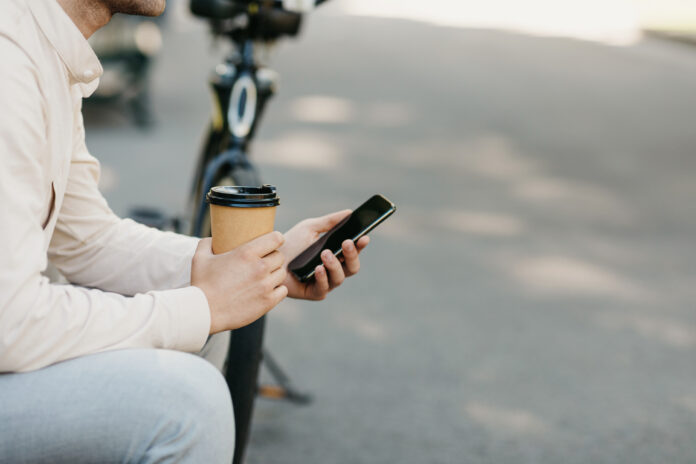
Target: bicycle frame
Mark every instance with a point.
(241, 90)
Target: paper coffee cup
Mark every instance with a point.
(240, 214)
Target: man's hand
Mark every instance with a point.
(243, 284)
(333, 272)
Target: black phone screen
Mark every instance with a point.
(362, 220)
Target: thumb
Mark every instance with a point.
(325, 223)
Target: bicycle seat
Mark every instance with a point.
(215, 9)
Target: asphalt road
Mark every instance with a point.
(534, 298)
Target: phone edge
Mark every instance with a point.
(367, 230)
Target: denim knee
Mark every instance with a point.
(197, 421)
(137, 405)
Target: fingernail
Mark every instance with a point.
(326, 254)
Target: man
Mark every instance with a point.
(96, 372)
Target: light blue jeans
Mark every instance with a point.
(126, 406)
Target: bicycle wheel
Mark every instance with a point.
(246, 343)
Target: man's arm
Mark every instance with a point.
(92, 247)
(41, 323)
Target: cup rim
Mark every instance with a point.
(243, 196)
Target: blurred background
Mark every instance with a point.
(533, 300)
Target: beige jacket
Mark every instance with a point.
(132, 283)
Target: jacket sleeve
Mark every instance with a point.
(92, 247)
(42, 323)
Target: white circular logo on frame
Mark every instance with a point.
(242, 111)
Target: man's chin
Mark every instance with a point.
(161, 9)
(138, 7)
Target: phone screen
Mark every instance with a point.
(365, 218)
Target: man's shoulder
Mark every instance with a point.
(18, 33)
(13, 15)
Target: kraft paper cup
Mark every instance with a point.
(239, 214)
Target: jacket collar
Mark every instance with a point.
(80, 60)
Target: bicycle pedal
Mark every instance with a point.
(153, 217)
(276, 392)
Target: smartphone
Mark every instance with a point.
(361, 221)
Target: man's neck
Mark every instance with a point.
(88, 15)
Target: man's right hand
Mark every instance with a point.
(241, 285)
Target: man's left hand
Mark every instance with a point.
(334, 271)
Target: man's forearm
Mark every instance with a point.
(45, 323)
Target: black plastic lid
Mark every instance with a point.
(243, 197)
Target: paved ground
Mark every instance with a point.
(533, 299)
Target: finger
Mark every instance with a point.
(325, 223)
(277, 277)
(351, 264)
(321, 283)
(274, 260)
(362, 243)
(333, 268)
(264, 244)
(279, 294)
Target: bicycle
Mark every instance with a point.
(241, 90)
